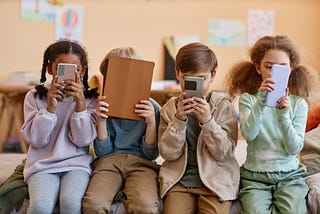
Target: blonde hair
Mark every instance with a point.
(125, 52)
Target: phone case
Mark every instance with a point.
(193, 86)
(65, 71)
(280, 74)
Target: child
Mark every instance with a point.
(125, 149)
(271, 178)
(59, 133)
(197, 138)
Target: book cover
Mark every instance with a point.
(127, 81)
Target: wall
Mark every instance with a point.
(143, 23)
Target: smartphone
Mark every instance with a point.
(66, 72)
(280, 74)
(193, 86)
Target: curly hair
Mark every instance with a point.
(243, 76)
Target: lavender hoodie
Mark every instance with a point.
(57, 142)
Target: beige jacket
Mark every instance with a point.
(218, 168)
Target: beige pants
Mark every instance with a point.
(137, 178)
(193, 200)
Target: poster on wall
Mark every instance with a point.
(260, 23)
(69, 20)
(180, 41)
(38, 10)
(226, 32)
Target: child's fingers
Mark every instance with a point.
(147, 102)
(144, 104)
(103, 104)
(77, 75)
(54, 79)
(182, 95)
(102, 109)
(200, 99)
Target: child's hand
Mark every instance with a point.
(184, 106)
(284, 101)
(145, 109)
(75, 88)
(102, 108)
(267, 85)
(202, 109)
(55, 93)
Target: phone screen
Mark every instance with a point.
(193, 86)
(190, 85)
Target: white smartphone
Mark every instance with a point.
(193, 86)
(280, 74)
(66, 71)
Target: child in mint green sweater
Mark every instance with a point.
(272, 178)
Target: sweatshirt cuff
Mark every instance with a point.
(48, 114)
(149, 146)
(262, 96)
(80, 114)
(207, 124)
(179, 125)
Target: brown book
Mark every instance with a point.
(127, 81)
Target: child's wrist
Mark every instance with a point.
(150, 121)
(52, 110)
(181, 119)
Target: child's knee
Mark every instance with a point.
(70, 206)
(95, 205)
(40, 207)
(145, 205)
(133, 208)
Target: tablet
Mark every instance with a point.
(280, 74)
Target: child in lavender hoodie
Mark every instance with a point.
(59, 133)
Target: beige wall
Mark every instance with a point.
(143, 23)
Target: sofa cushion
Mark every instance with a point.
(313, 117)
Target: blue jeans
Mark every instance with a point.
(45, 190)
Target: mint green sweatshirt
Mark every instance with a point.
(274, 136)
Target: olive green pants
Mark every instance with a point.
(273, 192)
